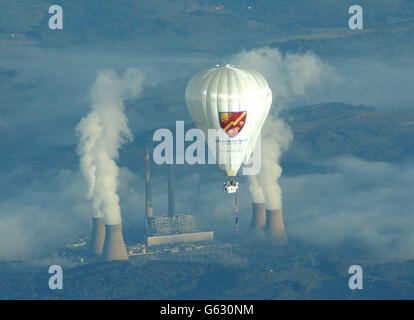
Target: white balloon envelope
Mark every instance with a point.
(233, 101)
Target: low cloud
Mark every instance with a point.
(361, 208)
(289, 75)
(43, 217)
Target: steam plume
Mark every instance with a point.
(256, 190)
(289, 76)
(101, 134)
(276, 137)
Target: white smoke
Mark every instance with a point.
(276, 137)
(289, 76)
(102, 132)
(256, 190)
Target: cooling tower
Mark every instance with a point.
(98, 236)
(114, 247)
(258, 216)
(171, 200)
(275, 227)
(148, 194)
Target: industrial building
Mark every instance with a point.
(114, 245)
(160, 226)
(192, 237)
(275, 227)
(258, 216)
(174, 228)
(107, 241)
(269, 221)
(98, 236)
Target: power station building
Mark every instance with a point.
(177, 229)
(174, 228)
(269, 221)
(160, 226)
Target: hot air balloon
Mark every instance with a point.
(235, 102)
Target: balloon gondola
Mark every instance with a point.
(230, 186)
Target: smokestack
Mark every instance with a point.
(148, 194)
(171, 200)
(98, 236)
(258, 216)
(275, 227)
(114, 247)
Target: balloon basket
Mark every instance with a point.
(230, 186)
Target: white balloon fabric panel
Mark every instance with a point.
(235, 102)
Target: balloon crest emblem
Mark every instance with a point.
(232, 122)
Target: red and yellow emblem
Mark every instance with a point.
(232, 122)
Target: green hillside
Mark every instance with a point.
(208, 26)
(280, 279)
(336, 129)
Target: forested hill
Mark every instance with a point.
(189, 280)
(199, 25)
(336, 129)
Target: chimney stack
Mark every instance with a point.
(98, 236)
(275, 227)
(148, 194)
(171, 200)
(258, 216)
(114, 247)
